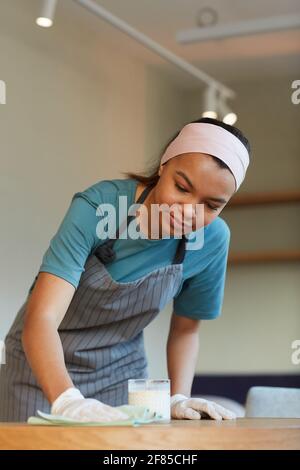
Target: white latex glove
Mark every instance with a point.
(72, 404)
(183, 407)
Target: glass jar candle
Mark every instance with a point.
(154, 394)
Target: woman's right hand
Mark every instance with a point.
(72, 404)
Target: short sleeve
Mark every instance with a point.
(73, 242)
(201, 296)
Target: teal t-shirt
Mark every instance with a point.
(200, 295)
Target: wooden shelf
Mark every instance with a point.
(260, 199)
(263, 257)
(263, 199)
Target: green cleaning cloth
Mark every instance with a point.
(136, 415)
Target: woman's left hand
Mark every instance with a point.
(183, 407)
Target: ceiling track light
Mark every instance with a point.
(227, 115)
(215, 106)
(241, 28)
(210, 102)
(45, 20)
(214, 86)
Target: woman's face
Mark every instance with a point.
(193, 179)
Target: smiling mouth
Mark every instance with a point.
(174, 222)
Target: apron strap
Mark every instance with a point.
(180, 252)
(106, 254)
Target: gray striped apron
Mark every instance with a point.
(101, 334)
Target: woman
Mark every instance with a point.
(78, 337)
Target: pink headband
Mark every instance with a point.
(213, 140)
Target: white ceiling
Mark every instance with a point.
(229, 60)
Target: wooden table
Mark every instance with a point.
(243, 433)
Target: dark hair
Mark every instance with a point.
(151, 176)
